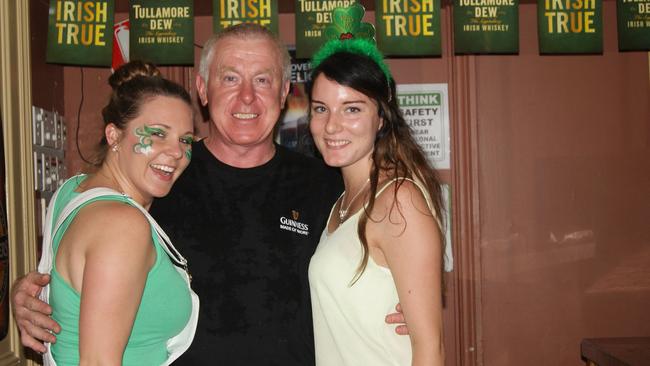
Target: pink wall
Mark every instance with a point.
(564, 146)
(47, 79)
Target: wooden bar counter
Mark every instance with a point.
(634, 351)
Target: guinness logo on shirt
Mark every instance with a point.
(293, 224)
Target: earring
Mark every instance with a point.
(115, 147)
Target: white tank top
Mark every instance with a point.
(349, 326)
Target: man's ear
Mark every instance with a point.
(113, 134)
(201, 88)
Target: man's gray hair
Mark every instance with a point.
(243, 31)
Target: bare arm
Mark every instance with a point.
(411, 245)
(31, 314)
(115, 240)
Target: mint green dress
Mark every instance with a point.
(164, 310)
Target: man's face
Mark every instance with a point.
(245, 92)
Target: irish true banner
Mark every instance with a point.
(408, 28)
(633, 25)
(80, 32)
(162, 31)
(570, 26)
(231, 12)
(486, 26)
(312, 16)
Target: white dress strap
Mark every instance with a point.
(422, 190)
(417, 184)
(93, 193)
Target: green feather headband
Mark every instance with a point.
(347, 33)
(355, 45)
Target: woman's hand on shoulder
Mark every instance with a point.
(116, 267)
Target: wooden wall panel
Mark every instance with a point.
(564, 160)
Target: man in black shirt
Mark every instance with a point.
(246, 213)
(248, 235)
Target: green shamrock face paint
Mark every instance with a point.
(188, 140)
(144, 133)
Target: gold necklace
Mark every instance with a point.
(343, 212)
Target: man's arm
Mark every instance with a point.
(31, 314)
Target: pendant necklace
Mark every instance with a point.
(343, 212)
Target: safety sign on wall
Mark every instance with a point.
(426, 110)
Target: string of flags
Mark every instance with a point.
(83, 32)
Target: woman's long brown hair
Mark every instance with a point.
(396, 153)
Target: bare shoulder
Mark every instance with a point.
(106, 239)
(114, 214)
(400, 211)
(113, 223)
(402, 199)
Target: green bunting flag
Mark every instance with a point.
(80, 32)
(408, 28)
(231, 12)
(633, 25)
(486, 26)
(162, 31)
(570, 26)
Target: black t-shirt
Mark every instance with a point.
(248, 236)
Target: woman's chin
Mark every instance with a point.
(334, 162)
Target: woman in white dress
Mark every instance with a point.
(383, 241)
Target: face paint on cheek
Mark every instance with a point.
(188, 140)
(144, 133)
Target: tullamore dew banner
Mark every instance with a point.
(633, 25)
(80, 32)
(408, 28)
(231, 12)
(486, 26)
(162, 31)
(570, 26)
(312, 17)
